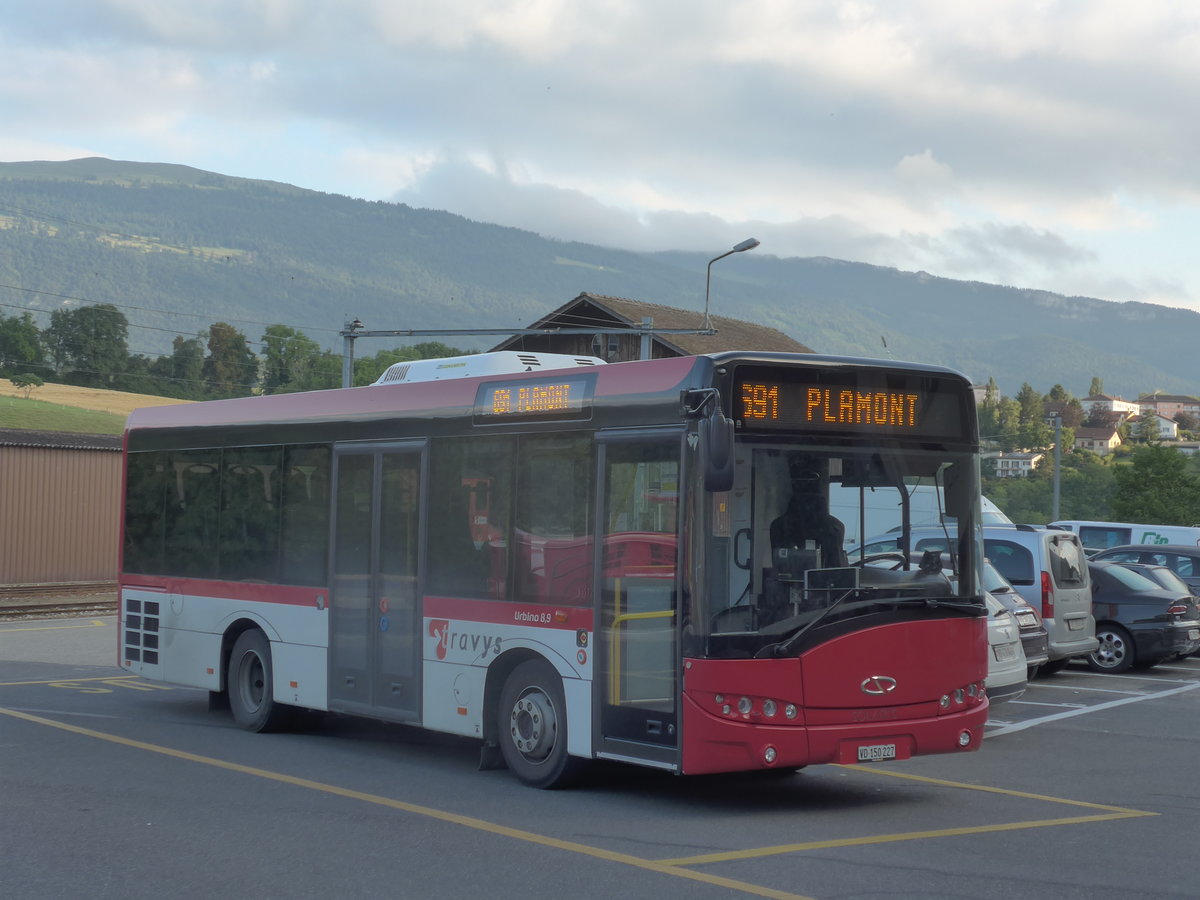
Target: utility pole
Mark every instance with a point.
(1057, 462)
(349, 333)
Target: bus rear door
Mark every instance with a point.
(374, 619)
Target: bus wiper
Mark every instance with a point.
(784, 648)
(961, 603)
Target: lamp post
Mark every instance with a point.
(748, 244)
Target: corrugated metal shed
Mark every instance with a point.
(59, 507)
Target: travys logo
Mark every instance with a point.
(447, 639)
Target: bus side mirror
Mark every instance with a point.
(956, 487)
(716, 439)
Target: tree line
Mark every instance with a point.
(1143, 481)
(88, 346)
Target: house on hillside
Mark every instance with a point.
(1156, 426)
(1169, 405)
(630, 329)
(1101, 441)
(1018, 464)
(1122, 409)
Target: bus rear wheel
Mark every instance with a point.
(250, 685)
(532, 726)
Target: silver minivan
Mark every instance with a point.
(1047, 567)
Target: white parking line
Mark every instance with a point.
(1109, 676)
(1095, 690)
(1059, 705)
(1071, 713)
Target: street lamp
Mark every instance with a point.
(348, 335)
(747, 244)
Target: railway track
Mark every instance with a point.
(24, 602)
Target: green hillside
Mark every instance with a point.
(37, 415)
(177, 249)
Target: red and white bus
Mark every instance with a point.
(569, 560)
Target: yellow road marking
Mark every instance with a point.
(70, 680)
(1108, 814)
(440, 815)
(1025, 795)
(758, 852)
(95, 623)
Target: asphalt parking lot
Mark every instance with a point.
(114, 787)
(1077, 691)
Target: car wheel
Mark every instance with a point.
(1115, 653)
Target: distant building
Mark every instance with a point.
(1017, 465)
(1101, 441)
(1157, 427)
(1110, 404)
(627, 329)
(1169, 405)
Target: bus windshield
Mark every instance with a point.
(781, 577)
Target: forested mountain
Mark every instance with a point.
(177, 249)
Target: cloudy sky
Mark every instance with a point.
(1039, 143)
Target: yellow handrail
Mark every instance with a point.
(614, 647)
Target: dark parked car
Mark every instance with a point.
(1166, 578)
(1183, 559)
(1138, 622)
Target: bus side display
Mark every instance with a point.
(535, 400)
(841, 403)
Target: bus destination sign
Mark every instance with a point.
(540, 400)
(845, 406)
(927, 407)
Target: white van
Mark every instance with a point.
(1097, 536)
(883, 511)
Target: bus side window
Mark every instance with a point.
(304, 519)
(552, 541)
(469, 525)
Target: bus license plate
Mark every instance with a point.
(1194, 634)
(874, 752)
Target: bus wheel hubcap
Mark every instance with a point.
(532, 724)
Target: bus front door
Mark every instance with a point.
(374, 652)
(637, 657)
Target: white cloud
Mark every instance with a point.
(1039, 143)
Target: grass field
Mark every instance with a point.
(63, 407)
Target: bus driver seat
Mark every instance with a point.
(807, 525)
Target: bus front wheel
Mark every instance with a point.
(532, 723)
(251, 690)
